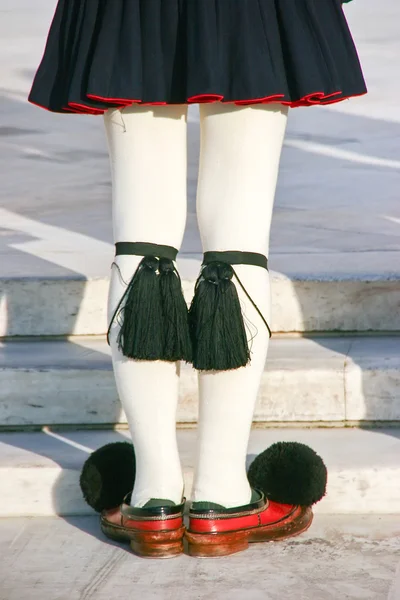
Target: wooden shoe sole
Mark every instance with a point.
(205, 545)
(148, 544)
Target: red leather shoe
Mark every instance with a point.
(153, 532)
(223, 531)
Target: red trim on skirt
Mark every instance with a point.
(316, 98)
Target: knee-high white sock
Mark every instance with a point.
(147, 148)
(239, 161)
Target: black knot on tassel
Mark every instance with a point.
(225, 271)
(210, 273)
(150, 262)
(166, 265)
(216, 272)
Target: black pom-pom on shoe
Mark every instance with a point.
(108, 475)
(289, 473)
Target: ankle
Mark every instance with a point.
(161, 495)
(228, 497)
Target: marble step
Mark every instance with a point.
(40, 471)
(41, 306)
(70, 558)
(310, 381)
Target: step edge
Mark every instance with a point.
(276, 276)
(370, 425)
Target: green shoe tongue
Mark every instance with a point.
(213, 506)
(157, 502)
(255, 496)
(207, 506)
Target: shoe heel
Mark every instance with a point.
(215, 544)
(286, 531)
(163, 544)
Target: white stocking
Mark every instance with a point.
(147, 147)
(239, 161)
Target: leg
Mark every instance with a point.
(147, 148)
(239, 161)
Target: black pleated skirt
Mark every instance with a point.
(112, 53)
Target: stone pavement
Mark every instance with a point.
(337, 209)
(339, 558)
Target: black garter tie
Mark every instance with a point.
(155, 323)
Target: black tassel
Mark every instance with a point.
(177, 342)
(216, 322)
(141, 332)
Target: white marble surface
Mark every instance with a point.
(340, 557)
(373, 375)
(323, 379)
(40, 473)
(75, 306)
